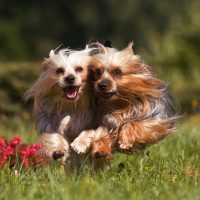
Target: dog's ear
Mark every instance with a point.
(91, 43)
(129, 48)
(108, 43)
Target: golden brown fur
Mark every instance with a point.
(134, 108)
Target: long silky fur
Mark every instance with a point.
(145, 112)
(56, 118)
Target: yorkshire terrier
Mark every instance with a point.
(134, 107)
(63, 104)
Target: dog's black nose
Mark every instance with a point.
(70, 79)
(57, 154)
(99, 154)
(102, 86)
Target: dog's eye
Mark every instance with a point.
(97, 73)
(117, 73)
(78, 69)
(60, 70)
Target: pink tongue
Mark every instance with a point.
(71, 94)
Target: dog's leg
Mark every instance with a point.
(135, 134)
(126, 137)
(83, 142)
(98, 164)
(54, 147)
(101, 148)
(101, 144)
(63, 124)
(73, 164)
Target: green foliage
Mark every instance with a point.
(171, 171)
(15, 79)
(30, 29)
(166, 34)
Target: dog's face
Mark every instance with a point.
(66, 73)
(121, 75)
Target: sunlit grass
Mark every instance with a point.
(171, 171)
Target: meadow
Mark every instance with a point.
(167, 36)
(170, 169)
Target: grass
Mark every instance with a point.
(171, 171)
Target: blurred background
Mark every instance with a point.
(165, 33)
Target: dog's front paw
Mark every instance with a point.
(125, 146)
(80, 146)
(125, 143)
(125, 140)
(83, 142)
(54, 147)
(57, 154)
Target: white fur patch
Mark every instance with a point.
(83, 142)
(54, 142)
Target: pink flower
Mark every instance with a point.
(25, 161)
(32, 151)
(21, 149)
(36, 146)
(4, 156)
(15, 141)
(14, 151)
(2, 141)
(9, 149)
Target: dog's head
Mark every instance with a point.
(122, 75)
(122, 81)
(64, 76)
(69, 69)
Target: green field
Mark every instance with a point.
(166, 34)
(172, 170)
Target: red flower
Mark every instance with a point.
(2, 141)
(9, 150)
(4, 156)
(36, 146)
(25, 161)
(21, 149)
(15, 141)
(14, 152)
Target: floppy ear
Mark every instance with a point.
(129, 48)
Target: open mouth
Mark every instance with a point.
(107, 95)
(71, 92)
